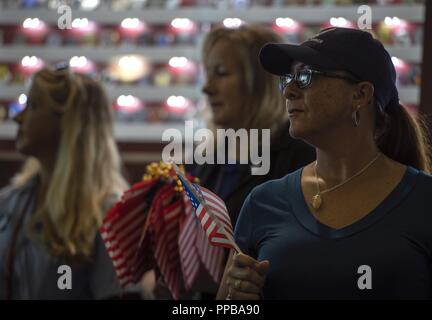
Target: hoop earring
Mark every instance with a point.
(356, 118)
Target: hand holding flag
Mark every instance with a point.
(211, 212)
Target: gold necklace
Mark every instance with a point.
(317, 199)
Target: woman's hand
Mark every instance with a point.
(245, 277)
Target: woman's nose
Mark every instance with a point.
(208, 88)
(291, 91)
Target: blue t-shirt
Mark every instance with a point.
(385, 255)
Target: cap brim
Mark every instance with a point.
(277, 58)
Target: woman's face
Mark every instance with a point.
(39, 127)
(323, 106)
(225, 85)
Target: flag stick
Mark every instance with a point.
(210, 212)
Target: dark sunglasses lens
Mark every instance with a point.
(304, 78)
(284, 81)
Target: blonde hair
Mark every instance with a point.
(87, 169)
(266, 107)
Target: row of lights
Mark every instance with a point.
(132, 24)
(131, 104)
(133, 62)
(187, 25)
(36, 23)
(128, 24)
(127, 63)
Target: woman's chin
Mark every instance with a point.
(296, 131)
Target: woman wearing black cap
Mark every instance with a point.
(355, 223)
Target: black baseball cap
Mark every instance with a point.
(351, 50)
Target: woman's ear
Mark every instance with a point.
(363, 94)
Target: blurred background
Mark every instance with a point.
(147, 55)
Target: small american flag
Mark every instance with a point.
(121, 231)
(165, 221)
(187, 240)
(211, 212)
(196, 251)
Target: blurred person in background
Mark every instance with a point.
(49, 215)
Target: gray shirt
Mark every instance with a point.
(36, 271)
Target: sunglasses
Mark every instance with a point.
(303, 78)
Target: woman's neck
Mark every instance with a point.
(342, 160)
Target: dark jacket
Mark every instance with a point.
(286, 155)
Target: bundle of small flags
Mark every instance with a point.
(212, 213)
(155, 226)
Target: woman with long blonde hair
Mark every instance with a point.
(50, 214)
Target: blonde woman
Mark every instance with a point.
(50, 214)
(242, 95)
